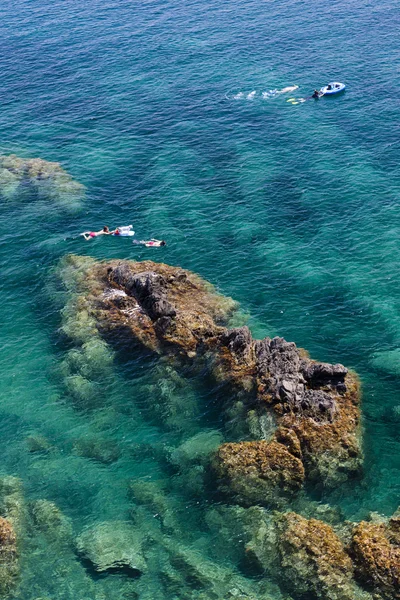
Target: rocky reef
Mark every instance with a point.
(290, 424)
(48, 180)
(313, 406)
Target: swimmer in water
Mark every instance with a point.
(290, 88)
(88, 235)
(316, 94)
(150, 243)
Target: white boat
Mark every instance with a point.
(332, 88)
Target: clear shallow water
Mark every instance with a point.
(292, 210)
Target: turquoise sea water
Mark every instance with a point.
(293, 210)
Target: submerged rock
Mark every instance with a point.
(48, 519)
(258, 472)
(197, 449)
(38, 443)
(306, 557)
(47, 179)
(9, 568)
(12, 502)
(112, 546)
(313, 559)
(174, 313)
(387, 361)
(188, 574)
(102, 450)
(375, 549)
(12, 527)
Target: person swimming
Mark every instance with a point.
(88, 235)
(150, 243)
(288, 89)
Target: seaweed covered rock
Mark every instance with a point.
(305, 557)
(48, 180)
(258, 472)
(8, 557)
(12, 525)
(174, 313)
(113, 546)
(375, 549)
(313, 560)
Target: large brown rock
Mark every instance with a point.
(258, 472)
(313, 559)
(375, 550)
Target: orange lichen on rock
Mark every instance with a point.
(312, 558)
(376, 555)
(258, 472)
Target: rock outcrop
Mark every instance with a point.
(172, 312)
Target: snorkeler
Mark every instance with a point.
(150, 243)
(92, 234)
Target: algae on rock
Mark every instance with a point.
(375, 549)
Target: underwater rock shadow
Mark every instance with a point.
(122, 571)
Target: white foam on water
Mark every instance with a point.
(252, 95)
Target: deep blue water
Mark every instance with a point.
(292, 209)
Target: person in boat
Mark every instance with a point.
(329, 87)
(315, 94)
(150, 243)
(88, 235)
